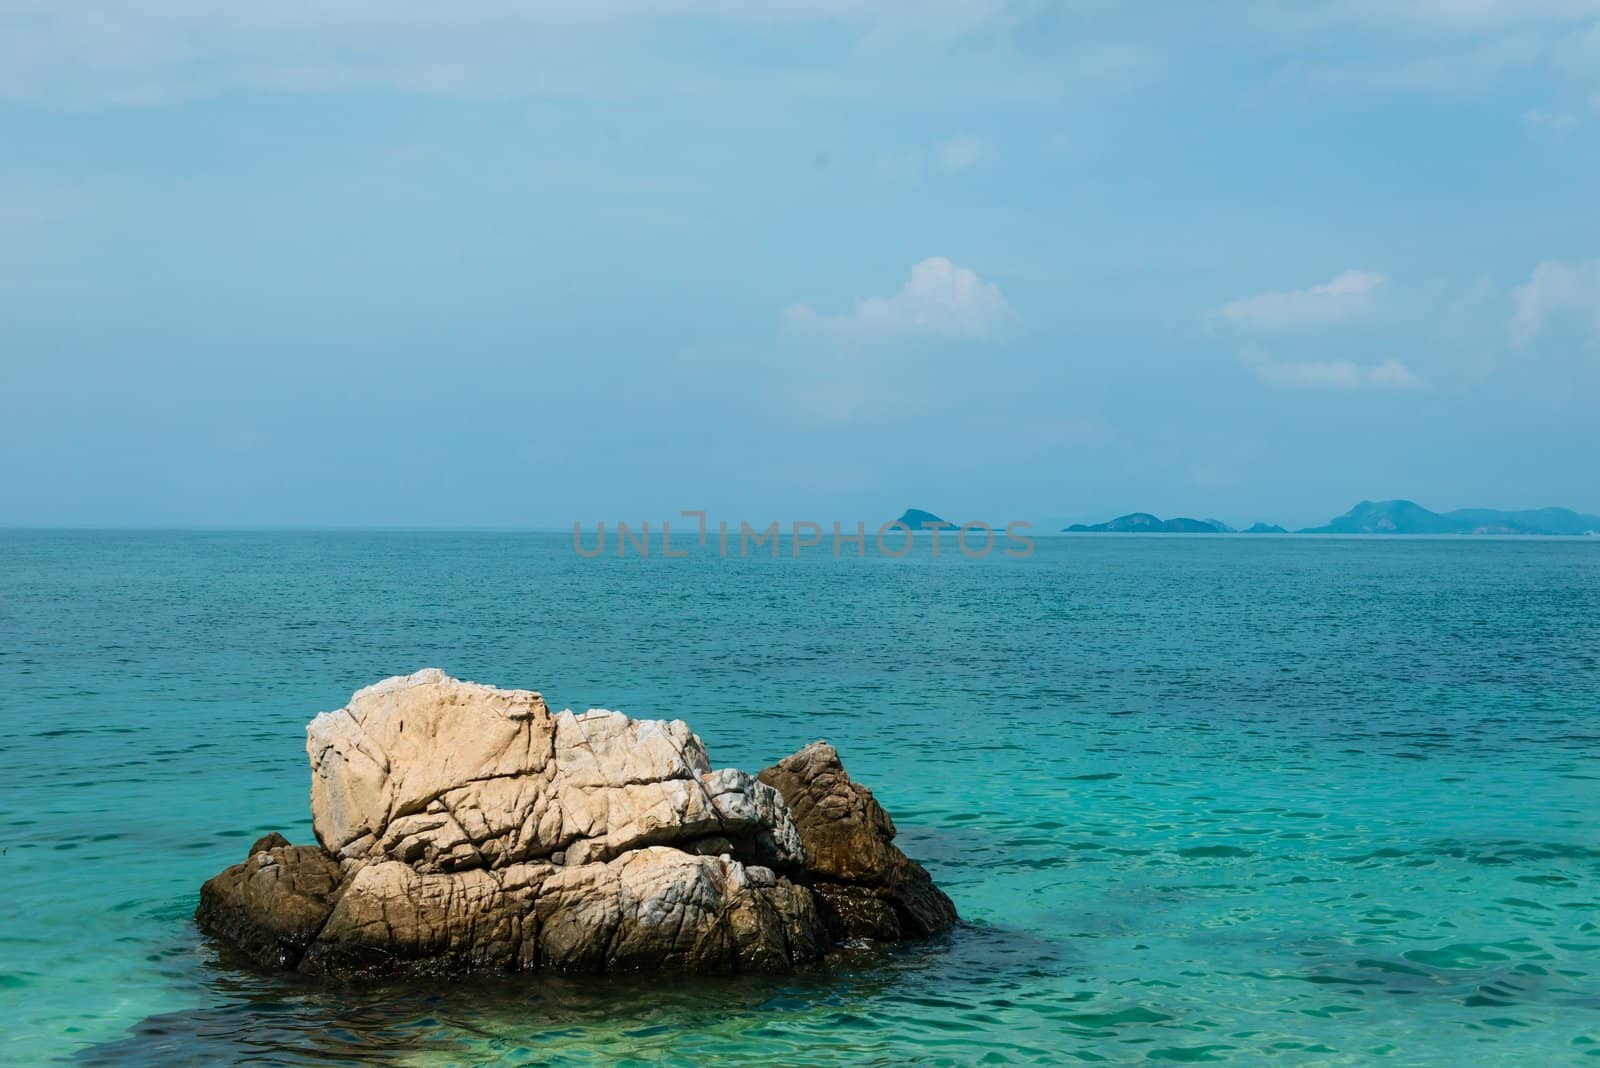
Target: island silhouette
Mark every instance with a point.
(1368, 517)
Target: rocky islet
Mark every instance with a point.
(464, 829)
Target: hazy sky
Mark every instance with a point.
(343, 262)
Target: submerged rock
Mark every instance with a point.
(464, 828)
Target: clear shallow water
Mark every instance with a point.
(1239, 799)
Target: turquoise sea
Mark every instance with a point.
(1235, 799)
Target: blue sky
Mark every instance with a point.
(343, 263)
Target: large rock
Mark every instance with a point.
(467, 829)
(445, 775)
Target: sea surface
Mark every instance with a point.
(1250, 800)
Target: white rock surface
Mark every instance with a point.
(446, 775)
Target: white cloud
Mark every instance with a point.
(912, 165)
(1428, 16)
(1434, 16)
(1558, 292)
(1392, 374)
(1347, 295)
(95, 52)
(108, 52)
(939, 300)
(1577, 57)
(959, 153)
(1458, 47)
(1538, 121)
(1465, 69)
(888, 358)
(1331, 374)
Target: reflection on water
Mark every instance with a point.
(866, 1004)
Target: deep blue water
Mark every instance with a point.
(1255, 800)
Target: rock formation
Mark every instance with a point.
(864, 886)
(464, 828)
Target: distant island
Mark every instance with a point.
(1368, 517)
(1409, 517)
(917, 519)
(1372, 517)
(1145, 523)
